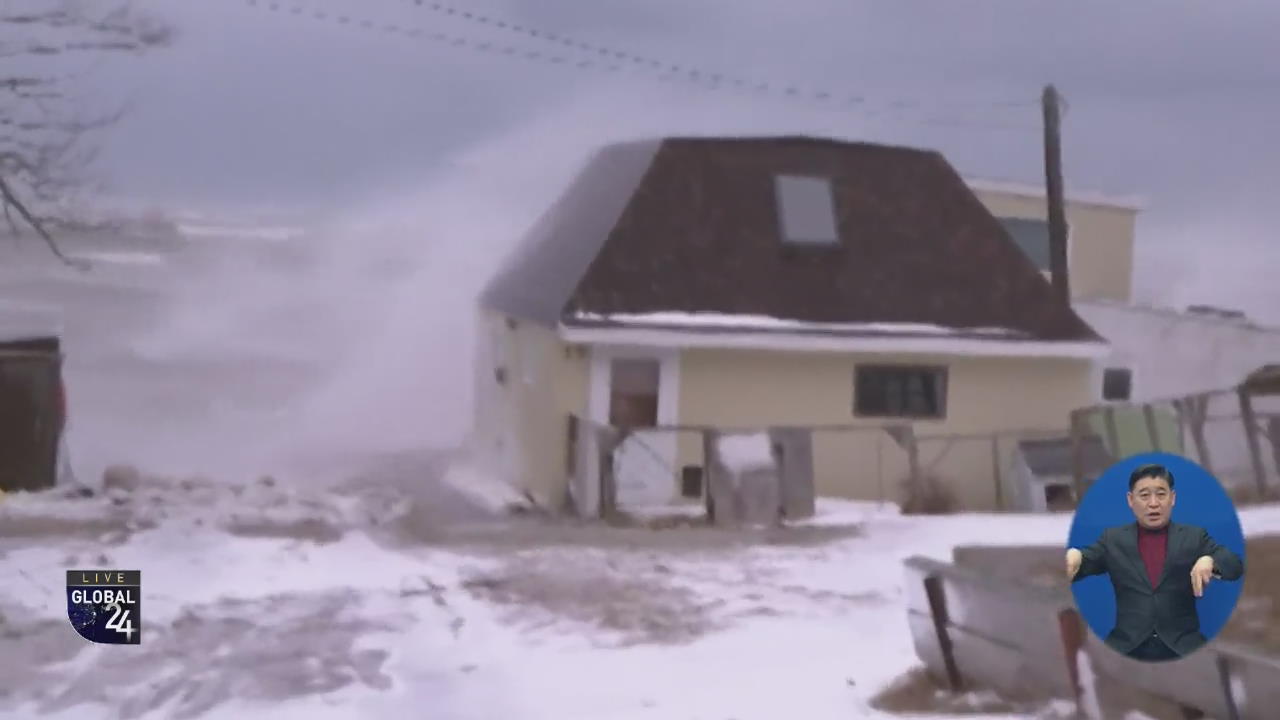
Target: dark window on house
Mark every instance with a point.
(1117, 384)
(1058, 497)
(806, 210)
(691, 481)
(1032, 236)
(633, 397)
(900, 391)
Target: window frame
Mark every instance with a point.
(1047, 271)
(941, 373)
(1129, 374)
(780, 205)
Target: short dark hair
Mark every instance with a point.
(1150, 471)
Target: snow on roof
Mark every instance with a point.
(716, 330)
(1083, 197)
(726, 321)
(1194, 313)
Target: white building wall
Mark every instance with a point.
(493, 440)
(1173, 353)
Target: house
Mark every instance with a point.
(1101, 230)
(1215, 348)
(768, 281)
(1157, 353)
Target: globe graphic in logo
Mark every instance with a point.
(83, 616)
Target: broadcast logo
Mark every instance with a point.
(104, 606)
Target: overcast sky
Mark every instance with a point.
(1170, 100)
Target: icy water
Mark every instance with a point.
(207, 353)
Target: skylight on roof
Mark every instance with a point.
(806, 210)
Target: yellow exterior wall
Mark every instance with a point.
(1101, 245)
(985, 395)
(546, 382)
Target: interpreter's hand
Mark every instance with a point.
(1201, 574)
(1074, 558)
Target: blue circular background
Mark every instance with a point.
(1200, 500)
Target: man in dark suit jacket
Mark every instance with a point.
(1158, 568)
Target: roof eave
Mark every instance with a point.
(1131, 203)
(674, 337)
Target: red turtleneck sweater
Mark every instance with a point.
(1151, 546)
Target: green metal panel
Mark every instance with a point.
(1131, 429)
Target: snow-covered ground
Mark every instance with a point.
(262, 601)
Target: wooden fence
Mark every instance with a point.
(1234, 433)
(860, 461)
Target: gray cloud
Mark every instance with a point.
(1172, 100)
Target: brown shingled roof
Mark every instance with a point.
(698, 231)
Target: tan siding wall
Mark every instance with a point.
(492, 428)
(545, 384)
(748, 389)
(1101, 246)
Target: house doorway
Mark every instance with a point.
(633, 392)
(637, 390)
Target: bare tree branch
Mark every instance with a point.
(45, 148)
(11, 200)
(8, 218)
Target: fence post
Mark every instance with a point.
(604, 461)
(710, 474)
(1251, 436)
(571, 446)
(934, 590)
(1070, 629)
(1113, 434)
(1198, 410)
(913, 454)
(1180, 417)
(610, 441)
(1153, 431)
(1079, 426)
(1228, 697)
(879, 468)
(995, 466)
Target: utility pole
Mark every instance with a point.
(1054, 194)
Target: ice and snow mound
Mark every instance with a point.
(487, 492)
(131, 500)
(745, 452)
(838, 512)
(235, 625)
(413, 501)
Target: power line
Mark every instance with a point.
(613, 64)
(653, 63)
